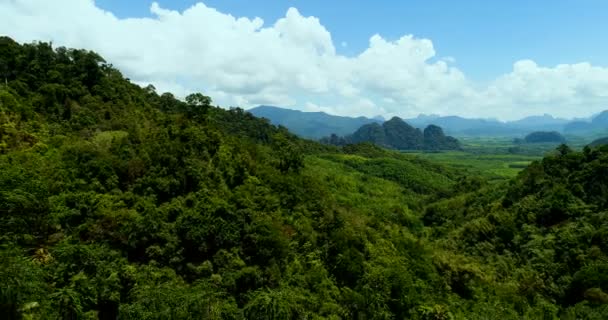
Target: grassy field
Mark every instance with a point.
(496, 158)
(494, 166)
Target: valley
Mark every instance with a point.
(496, 167)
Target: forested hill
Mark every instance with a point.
(118, 202)
(397, 134)
(545, 137)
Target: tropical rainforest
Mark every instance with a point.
(117, 202)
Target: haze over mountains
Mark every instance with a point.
(316, 125)
(598, 123)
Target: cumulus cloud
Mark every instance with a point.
(566, 88)
(293, 62)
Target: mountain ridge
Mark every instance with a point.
(320, 124)
(313, 125)
(398, 134)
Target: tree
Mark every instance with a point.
(198, 100)
(289, 154)
(197, 105)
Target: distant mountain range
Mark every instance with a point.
(599, 142)
(315, 125)
(598, 124)
(491, 127)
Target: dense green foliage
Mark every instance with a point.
(118, 202)
(545, 236)
(397, 134)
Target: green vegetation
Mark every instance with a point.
(493, 166)
(118, 202)
(495, 158)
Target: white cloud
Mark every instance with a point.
(293, 62)
(567, 89)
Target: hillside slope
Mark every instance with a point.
(118, 202)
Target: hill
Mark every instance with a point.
(117, 202)
(557, 202)
(544, 137)
(397, 134)
(313, 125)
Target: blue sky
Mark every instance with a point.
(484, 37)
(495, 59)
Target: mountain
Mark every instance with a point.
(435, 139)
(372, 132)
(400, 135)
(397, 134)
(545, 122)
(601, 119)
(599, 142)
(490, 127)
(578, 127)
(459, 125)
(313, 125)
(597, 124)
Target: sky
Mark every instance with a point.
(473, 58)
